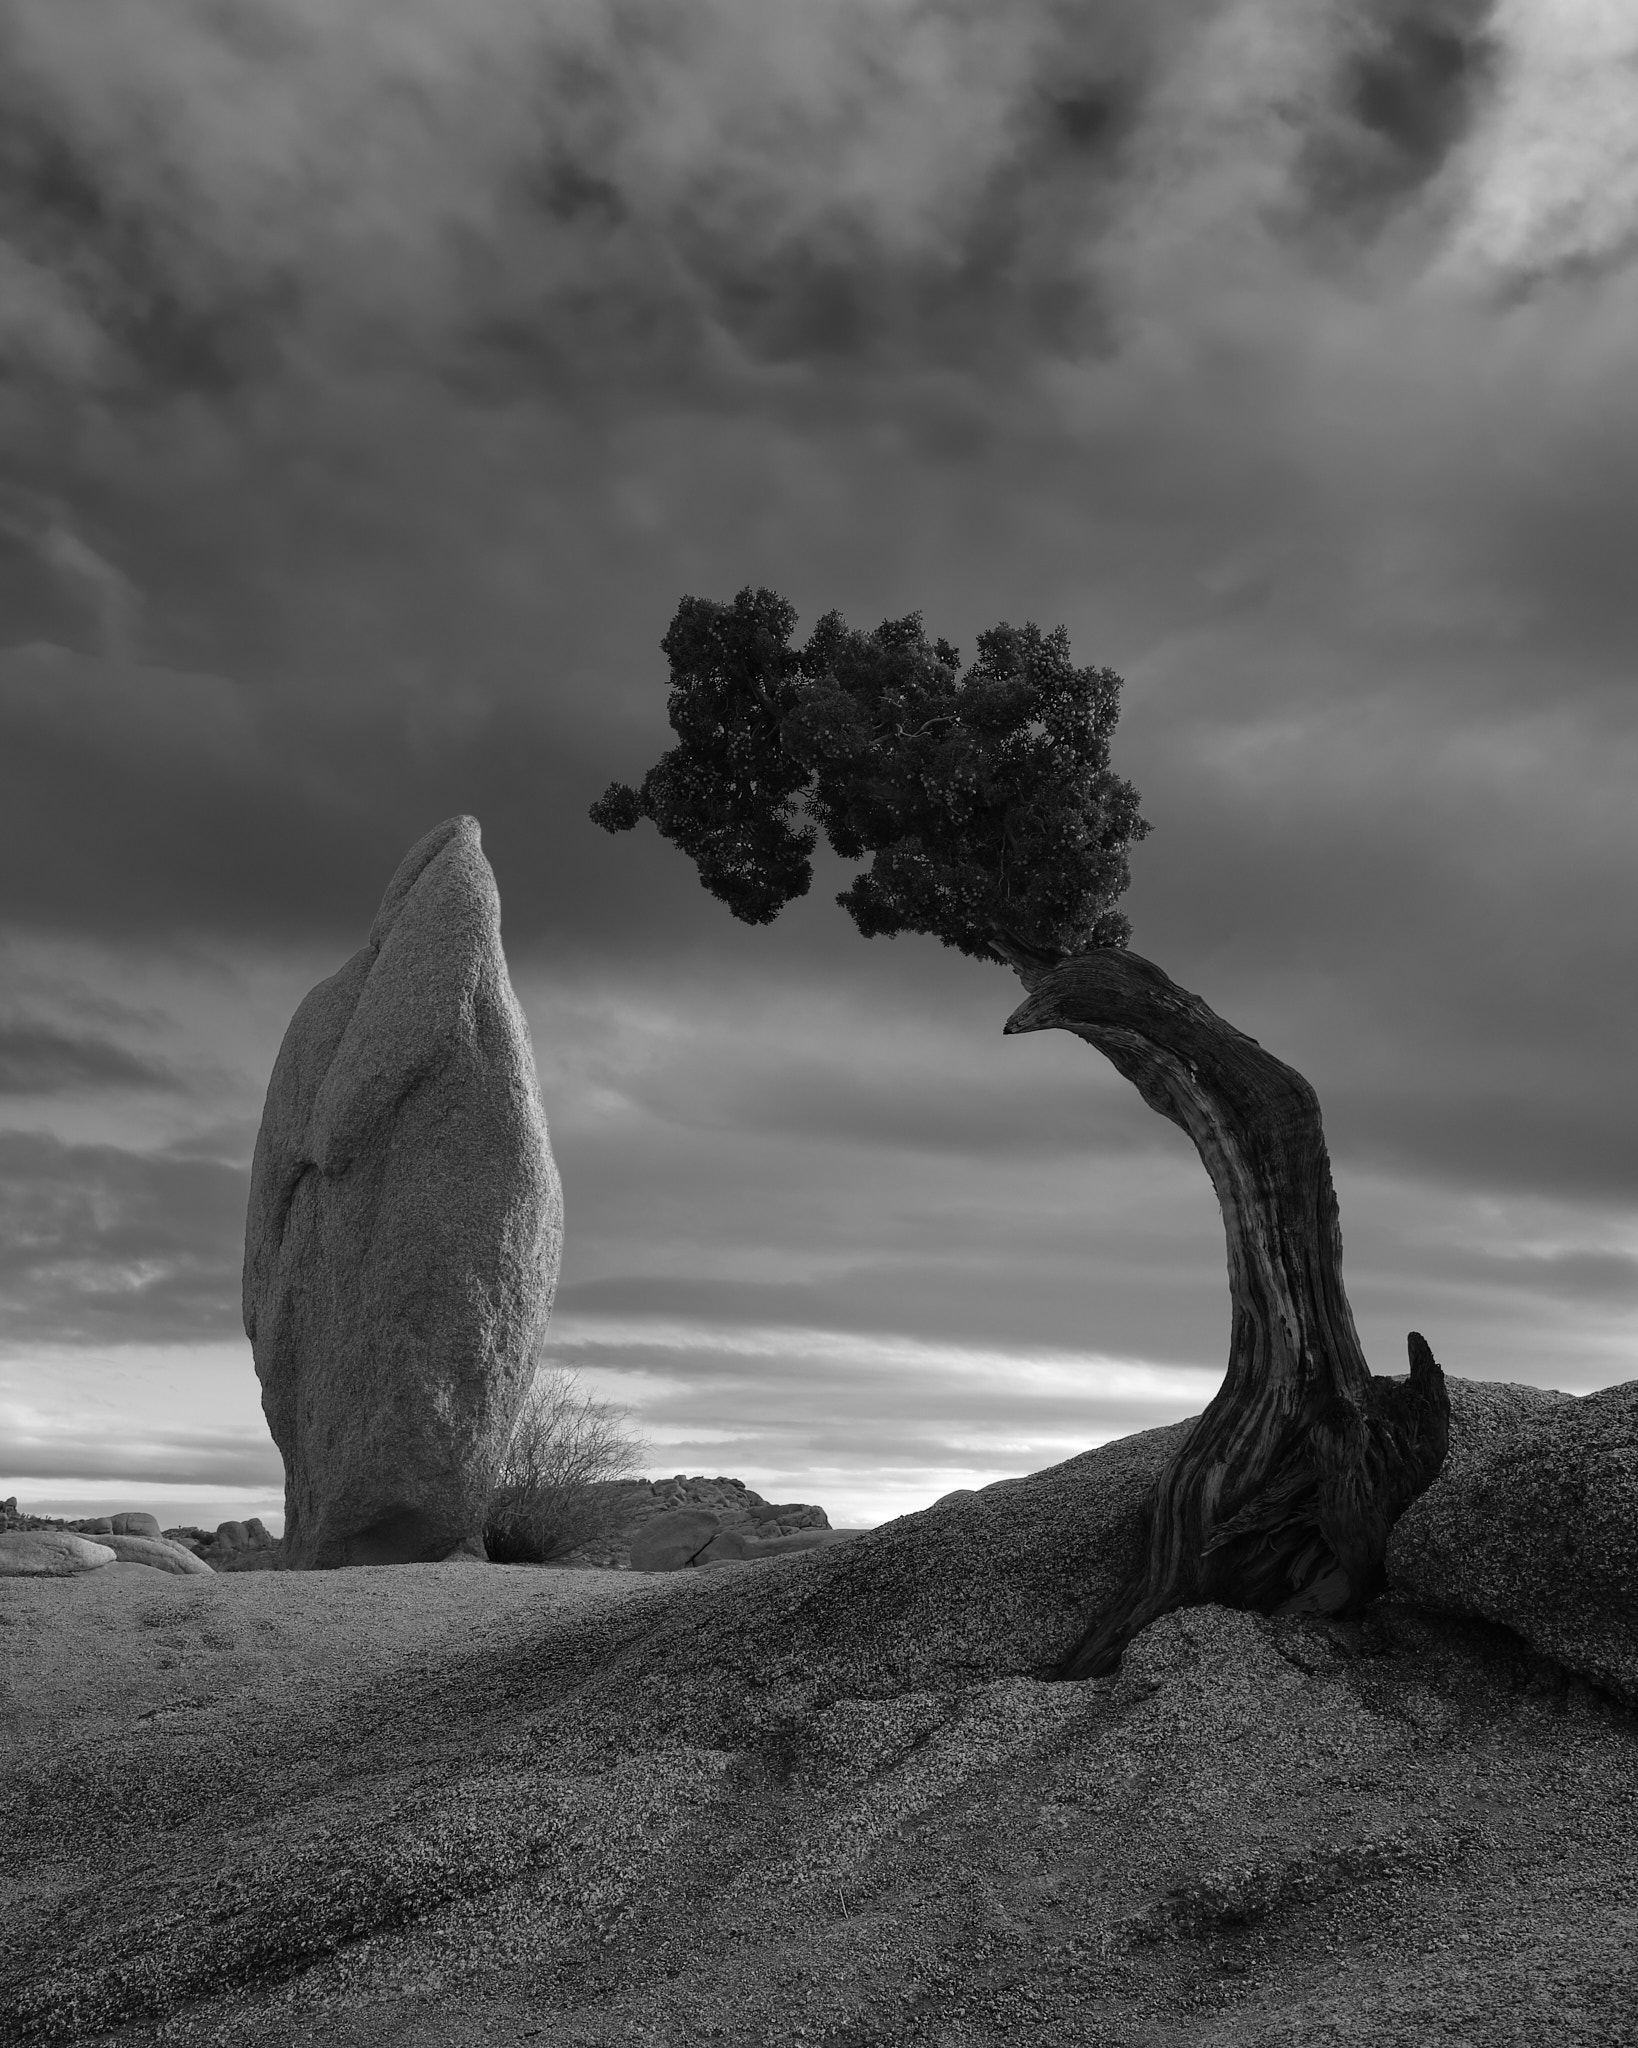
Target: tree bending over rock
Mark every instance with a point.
(1283, 1495)
(992, 820)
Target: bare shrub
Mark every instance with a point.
(553, 1492)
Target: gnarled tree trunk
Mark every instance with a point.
(1283, 1495)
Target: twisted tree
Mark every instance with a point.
(986, 807)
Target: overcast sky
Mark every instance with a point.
(373, 383)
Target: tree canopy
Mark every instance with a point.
(982, 800)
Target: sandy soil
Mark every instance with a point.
(128, 1643)
(461, 1804)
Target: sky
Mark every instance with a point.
(375, 381)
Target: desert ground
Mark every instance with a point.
(819, 1798)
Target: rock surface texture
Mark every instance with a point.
(826, 1798)
(404, 1227)
(1533, 1524)
(728, 1546)
(50, 1554)
(157, 1552)
(668, 1542)
(740, 1512)
(248, 1546)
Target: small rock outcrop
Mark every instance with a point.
(404, 1227)
(634, 1504)
(248, 1546)
(1533, 1524)
(133, 1522)
(50, 1554)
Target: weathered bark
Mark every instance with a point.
(1283, 1495)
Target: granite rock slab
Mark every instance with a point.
(1533, 1525)
(50, 1554)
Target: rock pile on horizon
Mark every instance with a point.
(48, 1549)
(404, 1226)
(737, 1510)
(234, 1546)
(135, 1537)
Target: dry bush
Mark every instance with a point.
(552, 1494)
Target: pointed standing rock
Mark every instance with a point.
(405, 1226)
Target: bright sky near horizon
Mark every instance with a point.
(375, 382)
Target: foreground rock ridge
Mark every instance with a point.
(404, 1227)
(832, 1798)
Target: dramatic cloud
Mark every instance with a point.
(174, 1429)
(98, 1243)
(38, 1059)
(187, 1459)
(869, 1427)
(376, 380)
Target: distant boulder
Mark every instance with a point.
(404, 1227)
(630, 1505)
(50, 1554)
(134, 1523)
(155, 1551)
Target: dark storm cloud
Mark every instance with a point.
(139, 799)
(1404, 93)
(167, 321)
(1545, 1133)
(722, 254)
(39, 1059)
(404, 364)
(1014, 1299)
(1428, 919)
(584, 195)
(629, 198)
(871, 1105)
(792, 1062)
(100, 1243)
(53, 583)
(1601, 1279)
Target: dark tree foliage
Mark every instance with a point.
(984, 802)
